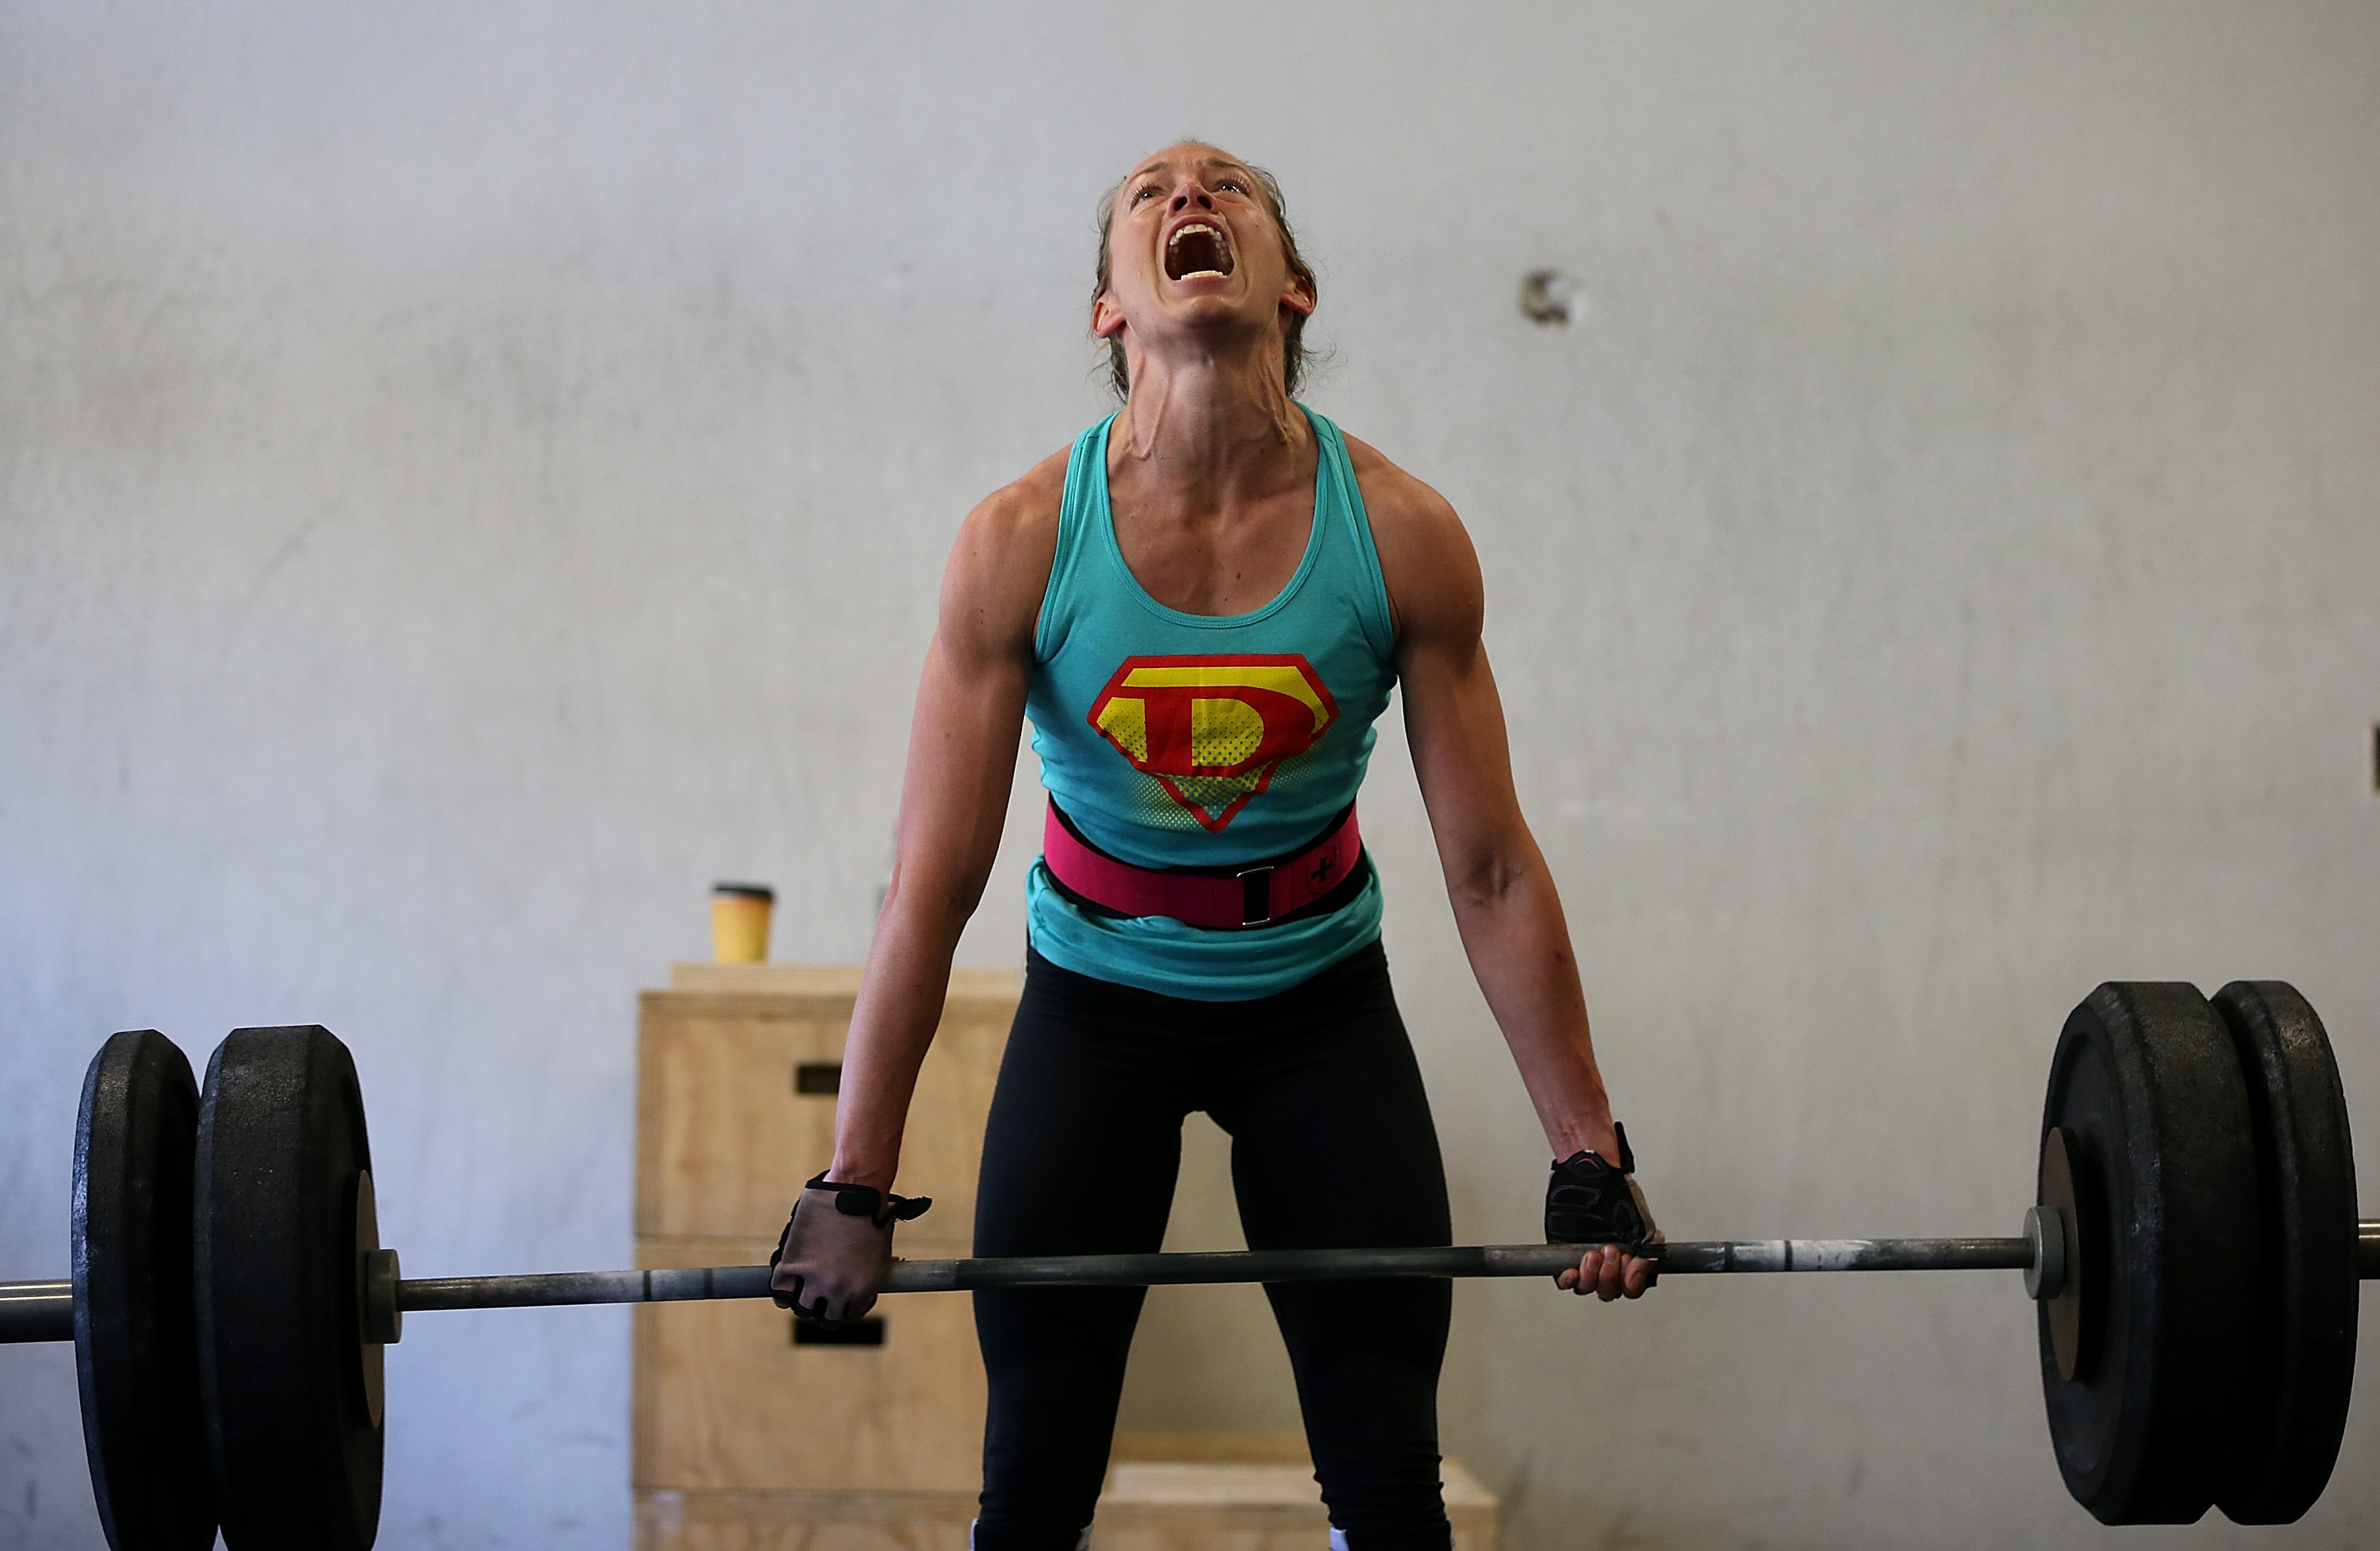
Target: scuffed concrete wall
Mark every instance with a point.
(471, 475)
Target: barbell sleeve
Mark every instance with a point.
(36, 1312)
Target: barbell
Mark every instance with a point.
(2193, 1252)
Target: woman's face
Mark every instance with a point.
(1193, 249)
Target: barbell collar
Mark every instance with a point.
(2367, 1250)
(2051, 1238)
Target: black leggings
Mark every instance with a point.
(1331, 1148)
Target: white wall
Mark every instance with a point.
(472, 474)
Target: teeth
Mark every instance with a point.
(1174, 243)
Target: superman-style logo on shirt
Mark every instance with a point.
(1212, 730)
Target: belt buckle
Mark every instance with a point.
(1256, 896)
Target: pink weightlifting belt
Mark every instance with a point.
(1227, 898)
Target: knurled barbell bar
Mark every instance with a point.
(2193, 1251)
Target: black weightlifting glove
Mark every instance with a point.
(836, 1248)
(1589, 1202)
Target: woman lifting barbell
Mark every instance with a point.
(1203, 605)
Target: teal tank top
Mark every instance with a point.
(1198, 740)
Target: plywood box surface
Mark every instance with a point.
(724, 1139)
(1223, 1506)
(803, 1520)
(724, 1400)
(999, 986)
(1149, 1506)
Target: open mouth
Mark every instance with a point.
(1196, 250)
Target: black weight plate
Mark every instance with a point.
(2304, 1362)
(2150, 1094)
(136, 1349)
(295, 1449)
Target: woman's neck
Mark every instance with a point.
(1217, 423)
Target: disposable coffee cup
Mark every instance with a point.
(739, 922)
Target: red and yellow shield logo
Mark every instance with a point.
(1212, 730)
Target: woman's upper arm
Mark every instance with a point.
(992, 586)
(1454, 718)
(971, 696)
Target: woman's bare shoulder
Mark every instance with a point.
(1425, 556)
(1000, 566)
(1026, 509)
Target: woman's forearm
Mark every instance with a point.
(1519, 945)
(893, 1026)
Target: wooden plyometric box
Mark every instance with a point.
(742, 1438)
